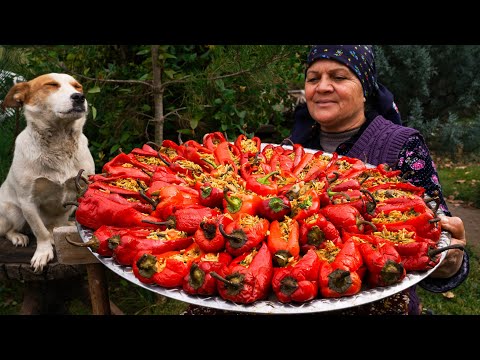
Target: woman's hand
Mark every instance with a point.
(453, 260)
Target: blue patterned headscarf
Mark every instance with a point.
(361, 61)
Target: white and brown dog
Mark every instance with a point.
(48, 155)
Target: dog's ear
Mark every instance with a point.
(16, 96)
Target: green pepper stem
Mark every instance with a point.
(264, 180)
(233, 203)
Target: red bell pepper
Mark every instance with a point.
(248, 146)
(188, 218)
(156, 241)
(244, 233)
(212, 140)
(208, 236)
(390, 190)
(341, 270)
(345, 166)
(283, 241)
(298, 281)
(95, 211)
(248, 278)
(317, 166)
(240, 202)
(274, 208)
(170, 150)
(133, 202)
(262, 184)
(305, 205)
(315, 230)
(227, 154)
(382, 260)
(417, 253)
(345, 217)
(210, 195)
(424, 221)
(99, 243)
(167, 269)
(164, 174)
(120, 185)
(199, 280)
(121, 165)
(200, 155)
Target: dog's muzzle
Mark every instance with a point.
(78, 102)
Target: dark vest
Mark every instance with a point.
(381, 142)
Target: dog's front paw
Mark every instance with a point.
(18, 239)
(41, 257)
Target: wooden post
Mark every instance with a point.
(97, 280)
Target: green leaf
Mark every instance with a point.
(143, 52)
(146, 107)
(217, 101)
(124, 137)
(114, 148)
(241, 114)
(170, 73)
(144, 77)
(167, 56)
(94, 90)
(94, 112)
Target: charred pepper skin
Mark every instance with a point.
(199, 281)
(248, 278)
(297, 282)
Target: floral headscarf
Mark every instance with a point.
(361, 61)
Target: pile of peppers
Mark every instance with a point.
(248, 222)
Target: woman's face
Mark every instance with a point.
(334, 96)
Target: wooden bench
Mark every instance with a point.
(64, 274)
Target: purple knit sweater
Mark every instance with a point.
(381, 142)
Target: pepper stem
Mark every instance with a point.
(288, 285)
(236, 239)
(280, 258)
(80, 189)
(233, 203)
(233, 286)
(147, 265)
(371, 205)
(94, 243)
(336, 175)
(170, 223)
(433, 252)
(264, 180)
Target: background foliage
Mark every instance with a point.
(243, 88)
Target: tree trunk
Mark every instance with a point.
(157, 96)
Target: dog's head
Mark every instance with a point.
(49, 96)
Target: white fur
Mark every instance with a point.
(48, 155)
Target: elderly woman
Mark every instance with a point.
(349, 112)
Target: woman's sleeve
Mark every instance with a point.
(417, 164)
(418, 167)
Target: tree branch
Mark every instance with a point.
(106, 80)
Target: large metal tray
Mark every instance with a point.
(271, 305)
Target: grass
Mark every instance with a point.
(461, 182)
(466, 297)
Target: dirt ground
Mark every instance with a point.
(471, 219)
